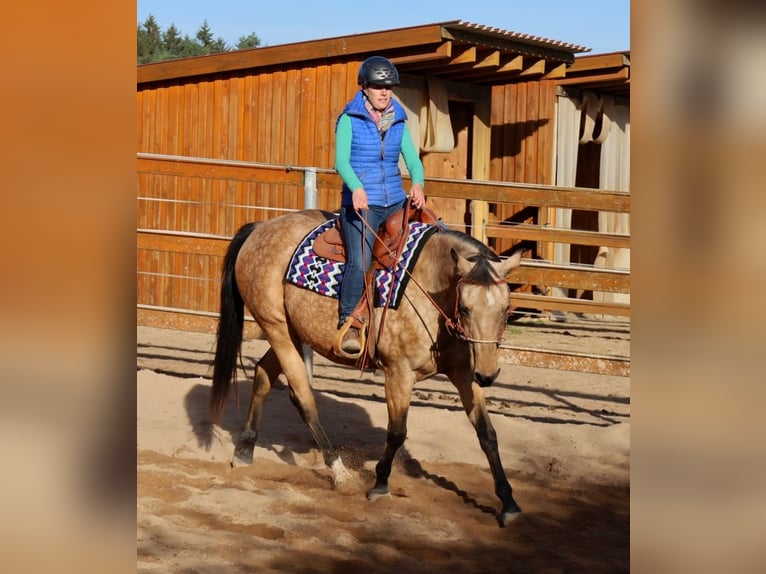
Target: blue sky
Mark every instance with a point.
(603, 25)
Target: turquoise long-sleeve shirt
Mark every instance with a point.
(369, 173)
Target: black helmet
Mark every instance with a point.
(378, 70)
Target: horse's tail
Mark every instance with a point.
(230, 325)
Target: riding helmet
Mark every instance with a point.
(378, 70)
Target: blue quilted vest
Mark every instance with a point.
(375, 160)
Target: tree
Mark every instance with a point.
(149, 41)
(204, 35)
(154, 45)
(171, 38)
(247, 42)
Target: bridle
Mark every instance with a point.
(456, 327)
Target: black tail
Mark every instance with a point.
(230, 324)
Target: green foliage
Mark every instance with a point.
(156, 45)
(247, 42)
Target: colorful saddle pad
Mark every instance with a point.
(323, 276)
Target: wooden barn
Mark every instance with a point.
(484, 104)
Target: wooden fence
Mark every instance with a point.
(189, 208)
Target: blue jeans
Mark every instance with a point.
(357, 259)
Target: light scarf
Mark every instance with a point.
(382, 119)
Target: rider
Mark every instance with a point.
(370, 134)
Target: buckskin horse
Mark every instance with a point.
(450, 320)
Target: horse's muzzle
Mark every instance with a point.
(484, 380)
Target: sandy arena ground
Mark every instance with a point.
(564, 441)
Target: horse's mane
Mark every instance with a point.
(478, 253)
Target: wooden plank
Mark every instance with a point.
(532, 194)
(503, 67)
(462, 55)
(510, 64)
(501, 128)
(482, 139)
(425, 57)
(556, 71)
(532, 132)
(482, 62)
(573, 80)
(598, 62)
(163, 241)
(559, 235)
(536, 68)
(564, 361)
(570, 277)
(217, 169)
(542, 302)
(181, 320)
(519, 130)
(546, 167)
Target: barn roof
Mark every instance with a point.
(456, 50)
(606, 73)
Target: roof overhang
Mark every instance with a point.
(455, 50)
(603, 73)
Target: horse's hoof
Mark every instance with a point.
(507, 517)
(375, 493)
(347, 487)
(242, 458)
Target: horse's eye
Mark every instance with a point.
(463, 310)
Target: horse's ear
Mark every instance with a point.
(462, 264)
(509, 264)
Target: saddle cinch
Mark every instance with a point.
(386, 251)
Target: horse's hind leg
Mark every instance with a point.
(302, 397)
(472, 397)
(266, 372)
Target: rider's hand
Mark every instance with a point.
(417, 196)
(359, 197)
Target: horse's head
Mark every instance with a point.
(481, 308)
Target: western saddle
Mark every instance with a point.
(386, 252)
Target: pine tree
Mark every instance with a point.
(171, 39)
(250, 41)
(204, 35)
(154, 45)
(149, 40)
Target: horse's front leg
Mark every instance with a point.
(398, 395)
(472, 397)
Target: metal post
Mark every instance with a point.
(310, 188)
(309, 202)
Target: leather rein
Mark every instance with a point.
(454, 326)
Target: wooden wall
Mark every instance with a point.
(286, 116)
(523, 142)
(283, 116)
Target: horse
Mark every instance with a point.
(454, 273)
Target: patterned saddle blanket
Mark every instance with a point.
(324, 276)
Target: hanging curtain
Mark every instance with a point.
(437, 136)
(614, 175)
(567, 142)
(413, 99)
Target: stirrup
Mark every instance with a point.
(336, 348)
